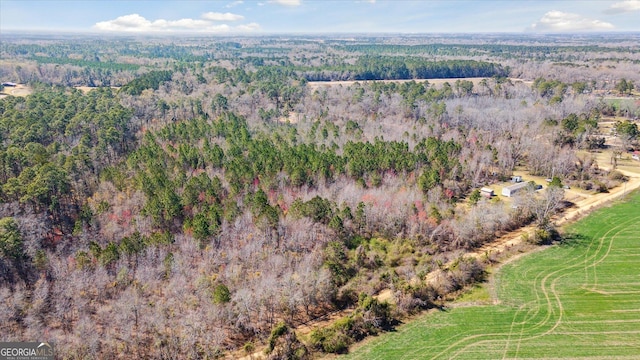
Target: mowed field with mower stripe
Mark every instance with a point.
(576, 300)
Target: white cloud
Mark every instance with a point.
(558, 21)
(137, 23)
(182, 24)
(249, 27)
(124, 23)
(286, 2)
(235, 3)
(624, 7)
(216, 16)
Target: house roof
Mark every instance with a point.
(517, 186)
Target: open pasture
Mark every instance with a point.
(579, 299)
(18, 90)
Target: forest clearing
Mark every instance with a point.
(18, 90)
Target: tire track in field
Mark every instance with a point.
(471, 337)
(548, 291)
(550, 310)
(587, 251)
(513, 322)
(588, 259)
(601, 241)
(523, 322)
(492, 336)
(596, 263)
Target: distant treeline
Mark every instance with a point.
(398, 68)
(503, 50)
(86, 63)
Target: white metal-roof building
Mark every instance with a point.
(511, 190)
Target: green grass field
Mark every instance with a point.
(577, 300)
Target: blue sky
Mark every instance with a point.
(319, 16)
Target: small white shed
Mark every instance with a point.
(487, 192)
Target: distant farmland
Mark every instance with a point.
(580, 299)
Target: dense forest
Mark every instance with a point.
(204, 198)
